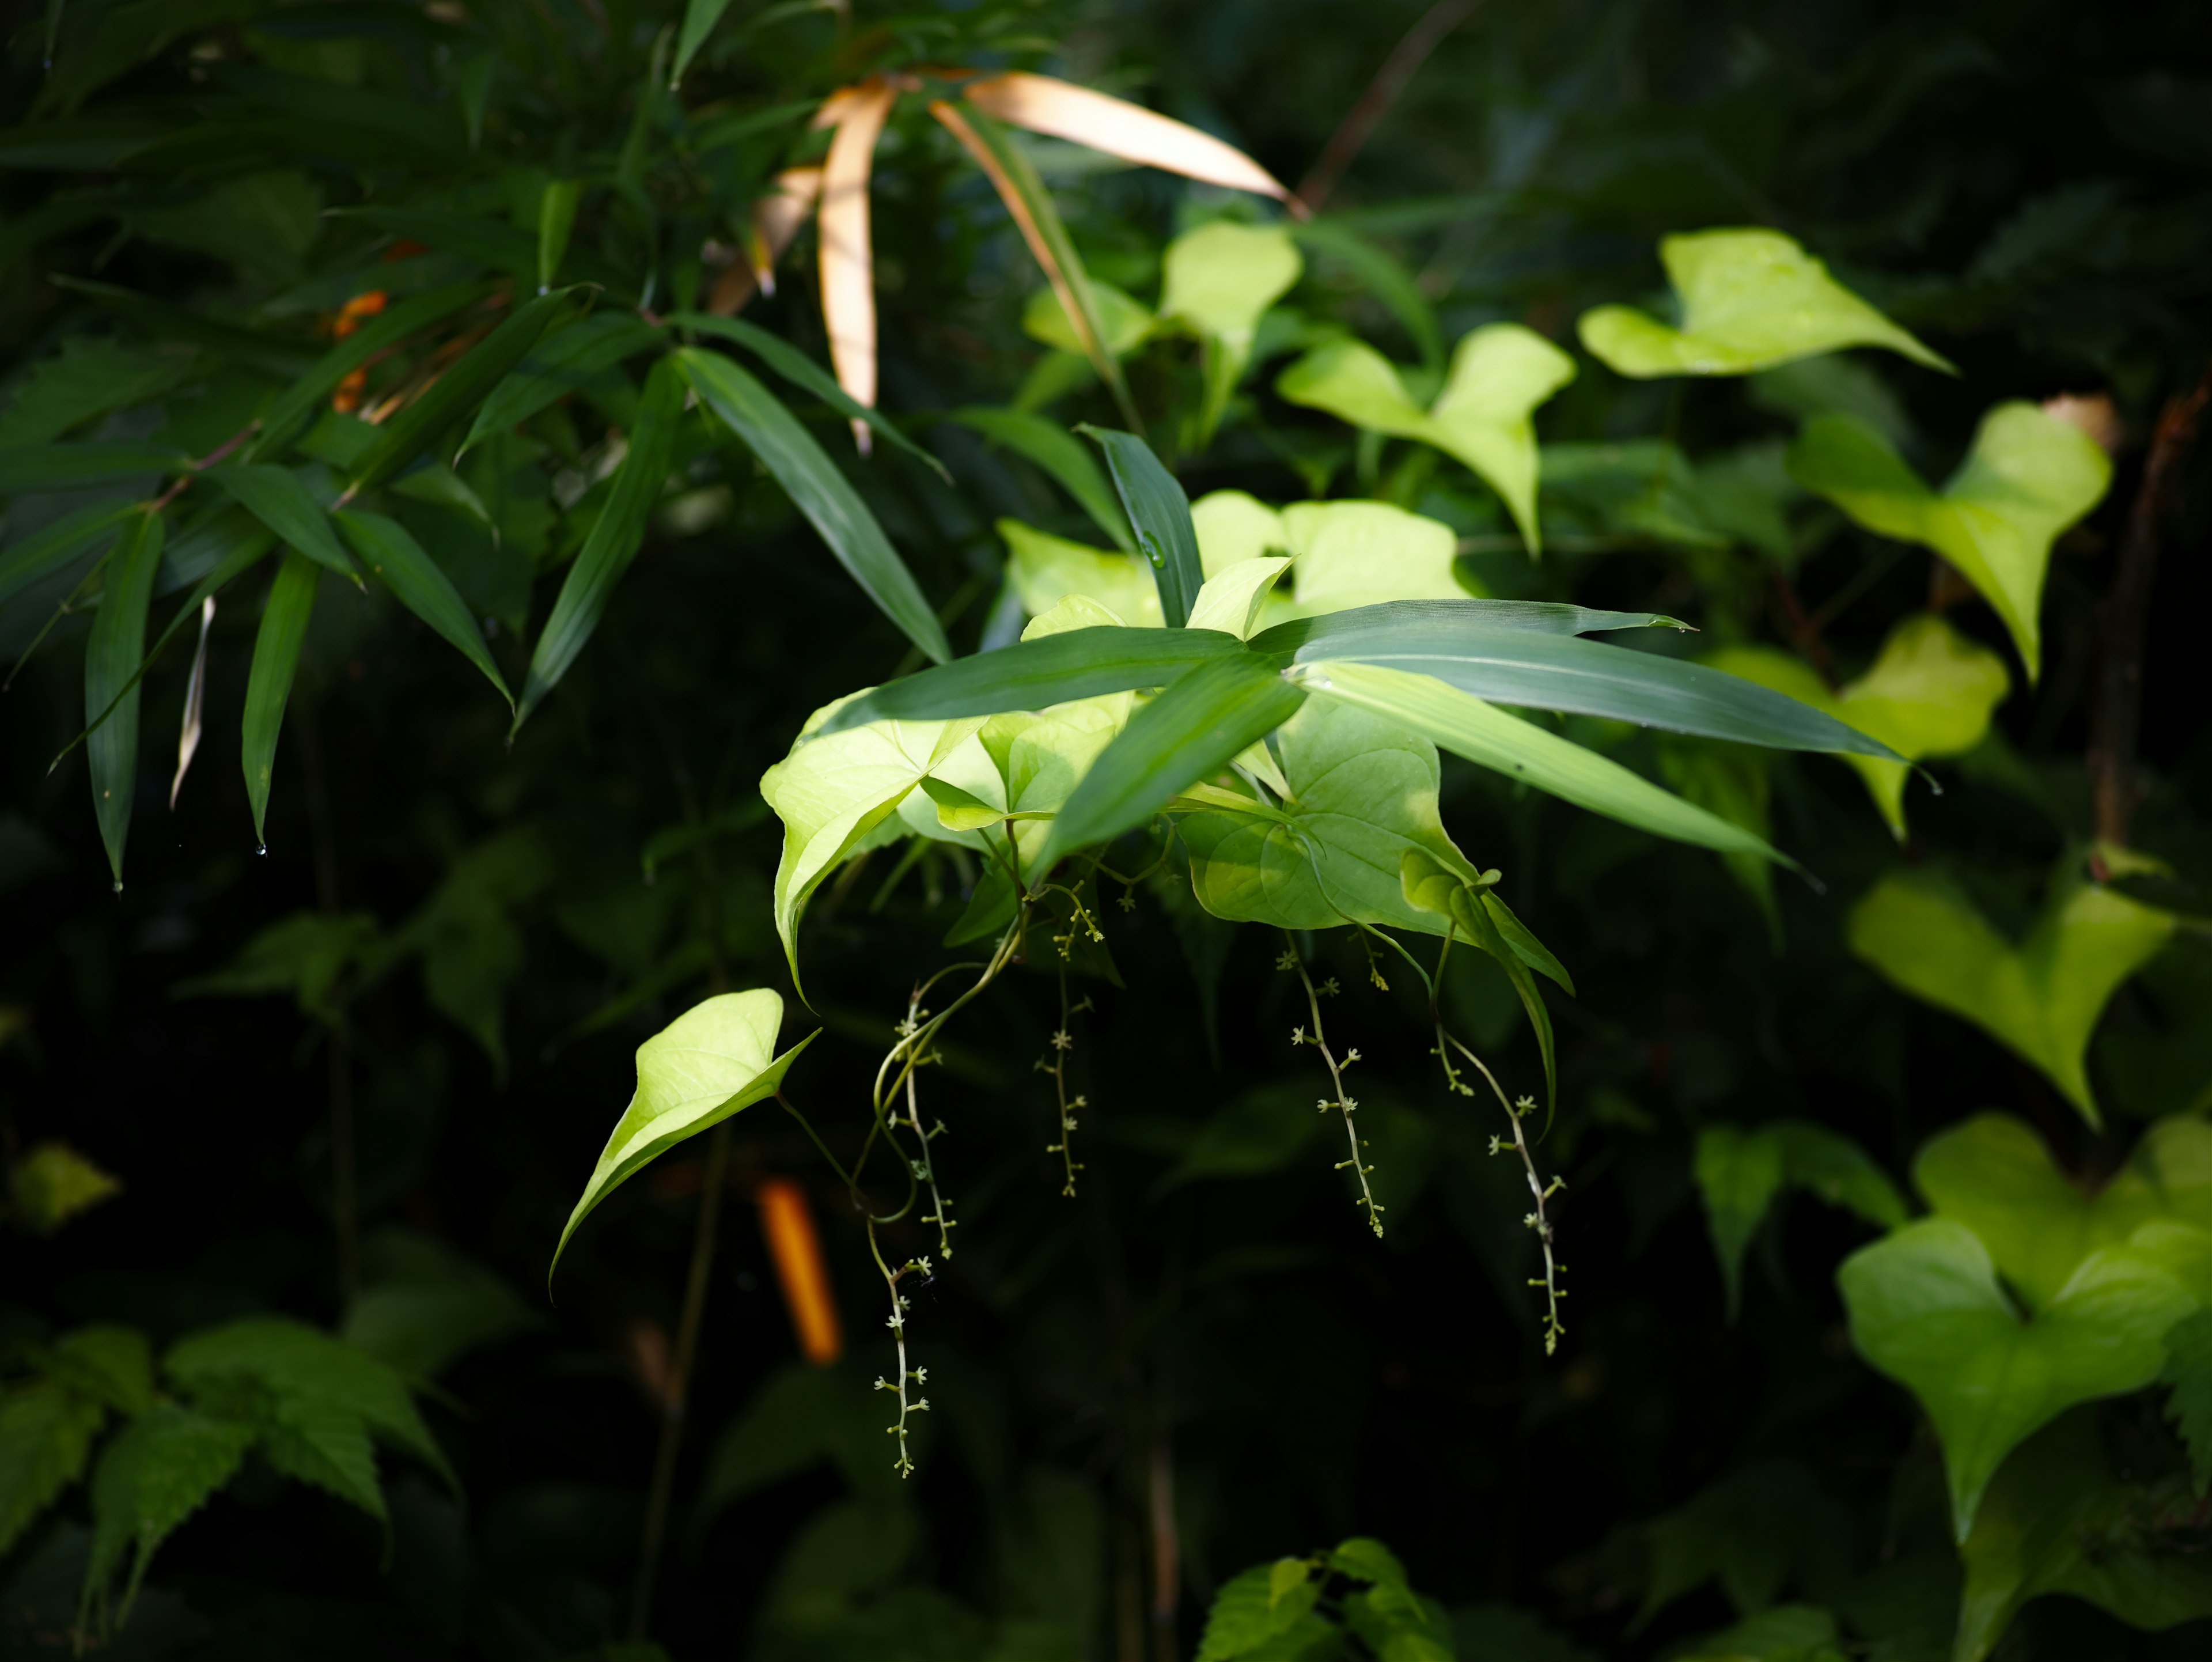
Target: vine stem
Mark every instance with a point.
(1063, 1041)
(1345, 1104)
(1537, 1220)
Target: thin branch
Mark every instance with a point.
(1353, 133)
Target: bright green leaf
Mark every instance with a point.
(1124, 324)
(1046, 569)
(713, 1060)
(1232, 601)
(1750, 300)
(1159, 514)
(1220, 279)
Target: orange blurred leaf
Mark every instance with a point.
(1062, 110)
(788, 1223)
(776, 217)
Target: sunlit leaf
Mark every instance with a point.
(845, 252)
(1232, 602)
(1044, 105)
(112, 657)
(716, 1059)
(390, 552)
(1750, 299)
(1926, 1308)
(1219, 279)
(1045, 570)
(819, 491)
(1124, 322)
(2042, 997)
(269, 682)
(1360, 554)
(2028, 476)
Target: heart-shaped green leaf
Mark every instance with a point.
(1929, 692)
(1750, 299)
(1232, 602)
(714, 1059)
(2028, 476)
(1741, 1172)
(1995, 1175)
(1499, 374)
(1219, 279)
(1046, 569)
(2041, 998)
(2055, 1519)
(1926, 1309)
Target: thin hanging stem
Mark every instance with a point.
(1344, 1103)
(1063, 1041)
(1516, 1113)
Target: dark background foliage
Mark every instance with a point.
(2027, 185)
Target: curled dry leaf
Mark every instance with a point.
(848, 296)
(188, 736)
(777, 215)
(1043, 105)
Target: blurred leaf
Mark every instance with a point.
(51, 1183)
(112, 656)
(386, 549)
(1740, 1172)
(798, 1418)
(1159, 514)
(1994, 1174)
(562, 363)
(26, 469)
(378, 335)
(46, 1432)
(269, 683)
(1062, 110)
(2028, 476)
(1465, 725)
(1124, 324)
(1219, 279)
(2041, 998)
(157, 1474)
(1926, 1309)
(423, 1306)
(90, 375)
(1750, 299)
(1045, 570)
(2189, 1371)
(615, 539)
(37, 556)
(1383, 276)
(556, 220)
(820, 492)
(302, 955)
(700, 17)
(1268, 1611)
(1758, 1530)
(713, 1061)
(1062, 455)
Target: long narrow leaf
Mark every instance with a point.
(188, 730)
(28, 468)
(1560, 672)
(111, 654)
(1159, 513)
(1081, 116)
(1461, 722)
(268, 681)
(1061, 455)
(454, 393)
(275, 355)
(281, 500)
(1353, 633)
(556, 218)
(1388, 281)
(1190, 732)
(845, 250)
(395, 324)
(390, 552)
(614, 540)
(38, 557)
(827, 498)
(1015, 179)
(558, 365)
(1052, 669)
(700, 17)
(802, 372)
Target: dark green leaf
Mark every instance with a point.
(556, 219)
(38, 557)
(801, 371)
(1190, 732)
(700, 17)
(390, 552)
(110, 656)
(1061, 455)
(395, 324)
(2189, 1371)
(1052, 669)
(281, 500)
(614, 540)
(1352, 633)
(1160, 513)
(269, 683)
(158, 1473)
(275, 355)
(454, 393)
(27, 468)
(820, 492)
(562, 363)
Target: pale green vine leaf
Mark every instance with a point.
(1741, 1172)
(1499, 374)
(1125, 323)
(1046, 569)
(2041, 998)
(1995, 1175)
(1926, 1308)
(1750, 299)
(1930, 692)
(1234, 526)
(1523, 751)
(1353, 554)
(834, 789)
(1219, 279)
(2028, 476)
(1232, 601)
(712, 1060)
(1363, 793)
(2057, 1520)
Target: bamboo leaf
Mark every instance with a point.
(390, 552)
(188, 730)
(395, 324)
(1037, 674)
(556, 219)
(1061, 455)
(26, 469)
(700, 17)
(1369, 628)
(1015, 179)
(269, 682)
(1160, 513)
(279, 499)
(845, 254)
(38, 557)
(559, 364)
(614, 540)
(460, 389)
(1465, 725)
(1192, 731)
(802, 372)
(111, 654)
(1062, 110)
(822, 493)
